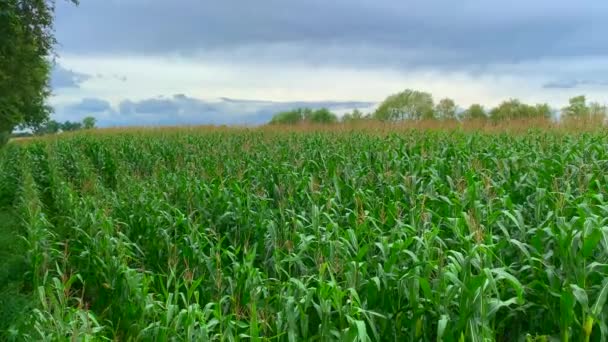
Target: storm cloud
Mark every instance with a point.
(439, 33)
(303, 51)
(89, 105)
(65, 78)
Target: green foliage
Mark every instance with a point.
(322, 116)
(48, 127)
(312, 236)
(291, 117)
(577, 108)
(355, 116)
(597, 110)
(52, 126)
(475, 112)
(300, 115)
(446, 109)
(514, 109)
(89, 122)
(542, 110)
(26, 43)
(579, 111)
(70, 126)
(407, 105)
(4, 137)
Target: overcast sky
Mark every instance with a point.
(148, 62)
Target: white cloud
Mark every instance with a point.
(208, 78)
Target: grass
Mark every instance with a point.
(342, 233)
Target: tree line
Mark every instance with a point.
(52, 126)
(417, 105)
(300, 115)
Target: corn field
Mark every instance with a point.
(311, 236)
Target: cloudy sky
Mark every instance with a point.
(148, 62)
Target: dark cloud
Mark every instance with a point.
(150, 106)
(184, 110)
(65, 78)
(378, 32)
(89, 105)
(570, 84)
(62, 78)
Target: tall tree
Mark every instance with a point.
(322, 116)
(287, 118)
(474, 112)
(89, 122)
(597, 111)
(26, 49)
(542, 110)
(48, 127)
(446, 109)
(577, 108)
(406, 105)
(357, 114)
(507, 110)
(70, 126)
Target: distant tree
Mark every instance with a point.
(542, 110)
(299, 115)
(322, 116)
(306, 113)
(514, 109)
(47, 127)
(69, 126)
(597, 111)
(474, 112)
(291, 117)
(507, 110)
(407, 105)
(53, 126)
(446, 109)
(356, 115)
(577, 108)
(89, 122)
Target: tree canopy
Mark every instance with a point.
(446, 109)
(300, 115)
(475, 112)
(26, 51)
(355, 116)
(514, 109)
(89, 122)
(52, 126)
(406, 105)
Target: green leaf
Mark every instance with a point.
(361, 331)
(591, 241)
(580, 295)
(441, 325)
(598, 306)
(566, 308)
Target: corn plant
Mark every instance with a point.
(300, 235)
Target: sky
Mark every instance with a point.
(166, 62)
